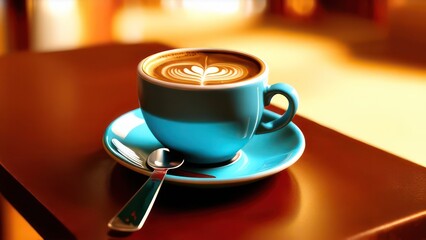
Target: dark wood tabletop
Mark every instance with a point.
(55, 107)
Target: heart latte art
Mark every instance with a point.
(202, 68)
(195, 73)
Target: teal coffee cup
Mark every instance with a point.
(208, 103)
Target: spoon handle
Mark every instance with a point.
(133, 215)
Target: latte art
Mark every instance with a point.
(195, 73)
(202, 68)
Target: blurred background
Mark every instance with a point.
(359, 65)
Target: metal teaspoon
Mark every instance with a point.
(133, 215)
(138, 158)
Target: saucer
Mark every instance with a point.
(265, 154)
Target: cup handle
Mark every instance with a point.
(293, 102)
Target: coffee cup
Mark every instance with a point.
(208, 103)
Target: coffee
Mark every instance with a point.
(202, 67)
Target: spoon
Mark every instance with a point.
(133, 215)
(138, 158)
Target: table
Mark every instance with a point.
(56, 106)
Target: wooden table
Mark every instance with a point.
(56, 106)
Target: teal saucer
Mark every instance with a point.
(265, 155)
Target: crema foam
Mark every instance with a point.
(202, 67)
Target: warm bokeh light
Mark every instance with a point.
(56, 25)
(222, 7)
(128, 24)
(58, 7)
(208, 6)
(178, 20)
(301, 7)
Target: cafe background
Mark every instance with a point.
(359, 65)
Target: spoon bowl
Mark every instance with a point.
(163, 158)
